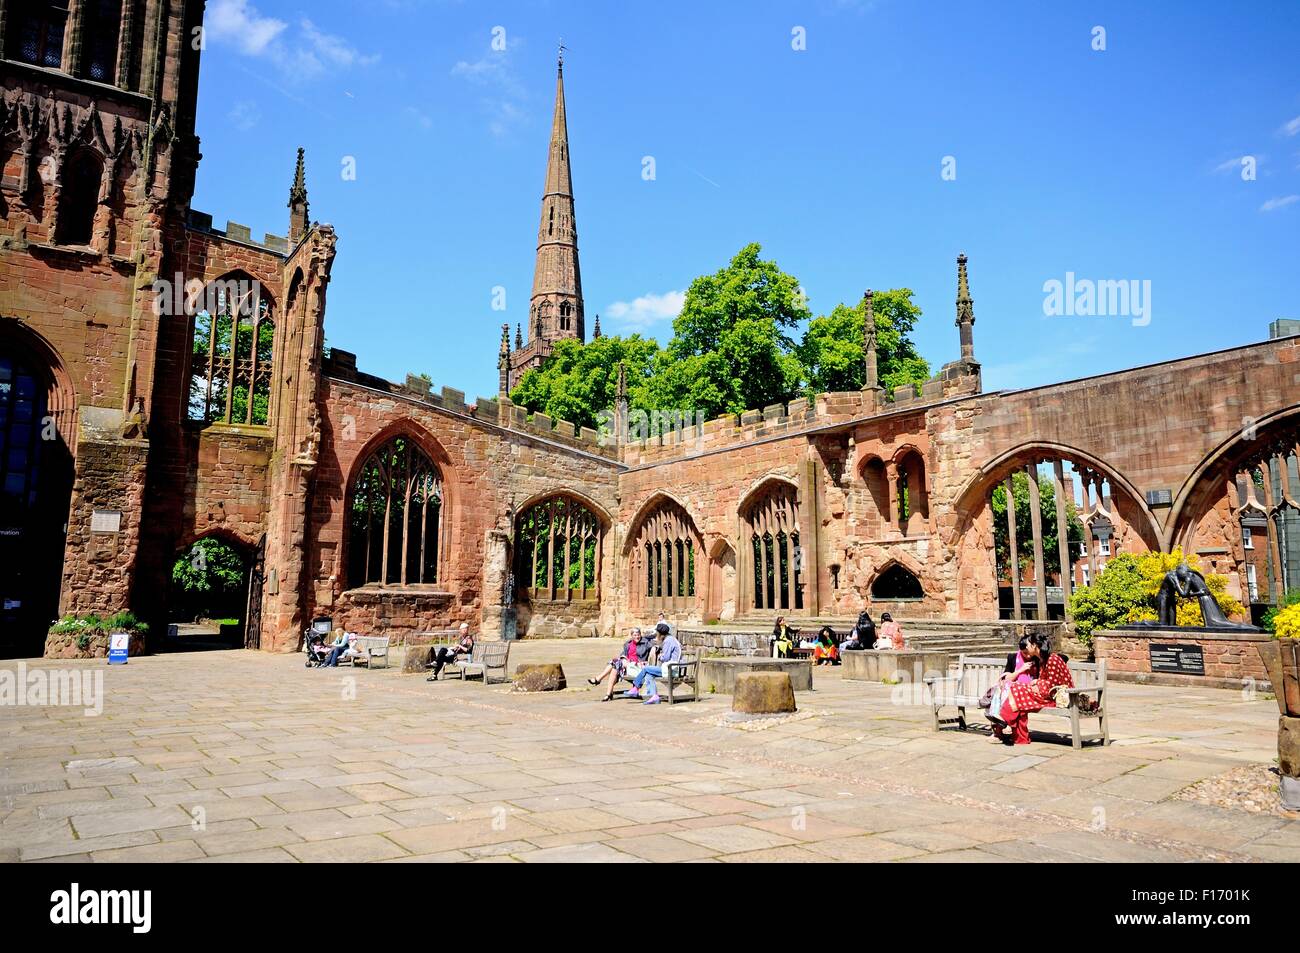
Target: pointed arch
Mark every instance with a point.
(1206, 478)
(771, 543)
(233, 349)
(399, 509)
(971, 498)
(80, 181)
(559, 544)
(662, 544)
(898, 580)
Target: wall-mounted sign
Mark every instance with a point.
(119, 644)
(106, 521)
(1179, 659)
(1160, 497)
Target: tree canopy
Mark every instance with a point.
(733, 349)
(1025, 526)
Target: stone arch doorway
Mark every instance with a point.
(1021, 555)
(720, 592)
(215, 599)
(36, 474)
(1246, 494)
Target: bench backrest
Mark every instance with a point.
(1088, 674)
(372, 641)
(495, 654)
(976, 674)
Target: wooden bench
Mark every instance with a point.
(372, 647)
(484, 659)
(685, 671)
(975, 675)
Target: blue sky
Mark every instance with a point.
(1115, 164)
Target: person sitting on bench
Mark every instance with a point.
(668, 649)
(345, 646)
(782, 641)
(449, 653)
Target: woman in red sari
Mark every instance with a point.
(1051, 673)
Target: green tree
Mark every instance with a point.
(731, 348)
(579, 381)
(210, 579)
(831, 349)
(1025, 526)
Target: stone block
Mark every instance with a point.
(540, 677)
(1288, 746)
(763, 693)
(719, 674)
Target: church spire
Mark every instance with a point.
(556, 303)
(965, 311)
(298, 202)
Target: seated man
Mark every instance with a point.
(667, 649)
(464, 647)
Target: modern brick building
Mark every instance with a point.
(163, 380)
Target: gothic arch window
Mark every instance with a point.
(897, 583)
(558, 550)
(232, 353)
(912, 500)
(35, 32)
(566, 315)
(394, 517)
(103, 17)
(79, 198)
(661, 560)
(771, 521)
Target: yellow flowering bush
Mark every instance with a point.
(1153, 568)
(1286, 624)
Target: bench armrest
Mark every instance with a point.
(935, 679)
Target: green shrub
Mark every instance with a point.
(1268, 622)
(1125, 592)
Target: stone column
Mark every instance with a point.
(809, 537)
(1062, 529)
(1018, 611)
(1036, 520)
(1274, 547)
(125, 39)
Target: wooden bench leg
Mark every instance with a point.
(1075, 740)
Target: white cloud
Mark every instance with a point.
(1272, 205)
(505, 96)
(238, 22)
(419, 117)
(1229, 165)
(244, 114)
(303, 54)
(648, 309)
(1291, 127)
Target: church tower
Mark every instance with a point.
(555, 309)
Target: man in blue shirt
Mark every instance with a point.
(668, 650)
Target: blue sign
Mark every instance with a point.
(118, 644)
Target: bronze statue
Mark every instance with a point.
(1185, 582)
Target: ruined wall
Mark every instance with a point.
(488, 472)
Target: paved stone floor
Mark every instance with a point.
(230, 756)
